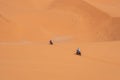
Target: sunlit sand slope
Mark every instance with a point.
(8, 30)
(36, 61)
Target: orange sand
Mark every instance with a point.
(27, 26)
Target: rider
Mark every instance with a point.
(51, 42)
(78, 52)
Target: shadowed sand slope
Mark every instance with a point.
(110, 7)
(114, 29)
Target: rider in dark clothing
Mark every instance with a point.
(78, 52)
(51, 42)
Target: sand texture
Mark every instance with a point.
(26, 26)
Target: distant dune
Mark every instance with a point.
(110, 7)
(93, 23)
(75, 18)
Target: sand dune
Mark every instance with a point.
(9, 32)
(26, 26)
(110, 7)
(92, 21)
(86, 20)
(38, 61)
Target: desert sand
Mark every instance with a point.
(26, 26)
